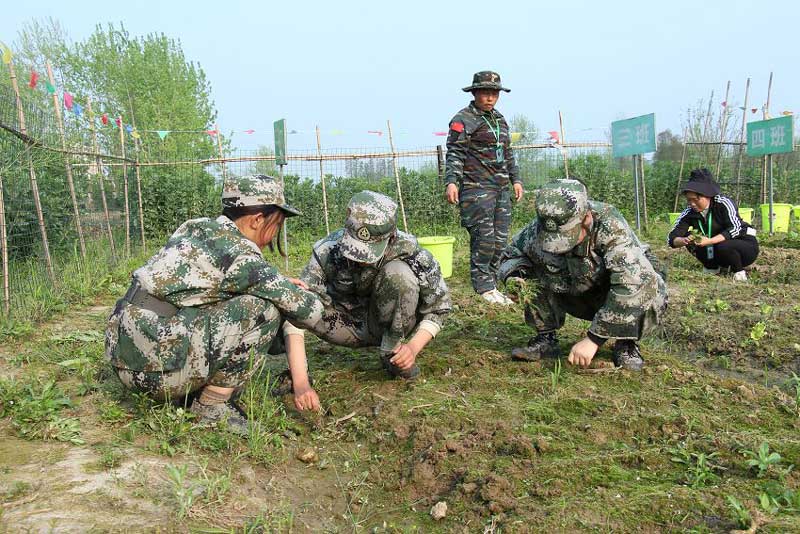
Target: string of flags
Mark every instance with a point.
(77, 109)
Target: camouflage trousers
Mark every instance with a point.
(548, 310)
(383, 319)
(227, 342)
(486, 214)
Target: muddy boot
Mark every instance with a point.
(541, 346)
(394, 371)
(627, 355)
(228, 413)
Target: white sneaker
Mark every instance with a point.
(710, 271)
(495, 297)
(740, 276)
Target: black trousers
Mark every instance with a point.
(734, 253)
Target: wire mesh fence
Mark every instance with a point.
(75, 195)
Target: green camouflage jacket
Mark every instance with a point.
(336, 279)
(611, 258)
(472, 150)
(204, 262)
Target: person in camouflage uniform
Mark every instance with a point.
(581, 257)
(202, 313)
(480, 166)
(383, 285)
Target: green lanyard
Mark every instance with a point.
(709, 225)
(499, 155)
(496, 130)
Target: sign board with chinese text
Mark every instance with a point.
(771, 136)
(280, 142)
(633, 136)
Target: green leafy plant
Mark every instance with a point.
(740, 514)
(183, 490)
(716, 306)
(758, 331)
(762, 459)
(700, 469)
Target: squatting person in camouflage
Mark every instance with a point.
(382, 284)
(581, 257)
(203, 312)
(480, 167)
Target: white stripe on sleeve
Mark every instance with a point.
(736, 222)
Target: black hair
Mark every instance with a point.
(237, 212)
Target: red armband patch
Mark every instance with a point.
(457, 126)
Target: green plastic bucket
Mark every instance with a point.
(673, 217)
(747, 214)
(780, 213)
(441, 246)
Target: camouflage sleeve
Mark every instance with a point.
(634, 283)
(513, 168)
(513, 260)
(314, 275)
(434, 296)
(251, 275)
(456, 151)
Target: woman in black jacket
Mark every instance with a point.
(727, 241)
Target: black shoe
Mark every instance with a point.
(541, 346)
(394, 371)
(627, 355)
(228, 413)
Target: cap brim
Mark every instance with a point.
(290, 211)
(362, 252)
(476, 87)
(562, 240)
(707, 190)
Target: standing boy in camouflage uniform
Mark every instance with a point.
(480, 166)
(202, 313)
(581, 257)
(380, 283)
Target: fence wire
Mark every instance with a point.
(101, 217)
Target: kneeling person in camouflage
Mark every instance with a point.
(203, 312)
(581, 258)
(382, 284)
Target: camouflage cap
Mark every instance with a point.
(561, 206)
(371, 221)
(485, 79)
(255, 190)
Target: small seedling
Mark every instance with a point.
(182, 489)
(555, 375)
(762, 459)
(766, 310)
(758, 332)
(699, 466)
(740, 514)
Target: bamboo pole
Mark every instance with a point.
(219, 149)
(707, 123)
(742, 142)
(125, 190)
(322, 181)
(723, 126)
(562, 141)
(34, 185)
(764, 169)
(139, 195)
(680, 171)
(101, 179)
(397, 176)
(4, 249)
(67, 166)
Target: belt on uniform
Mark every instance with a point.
(142, 299)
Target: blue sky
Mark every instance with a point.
(350, 66)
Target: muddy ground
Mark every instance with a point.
(508, 446)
